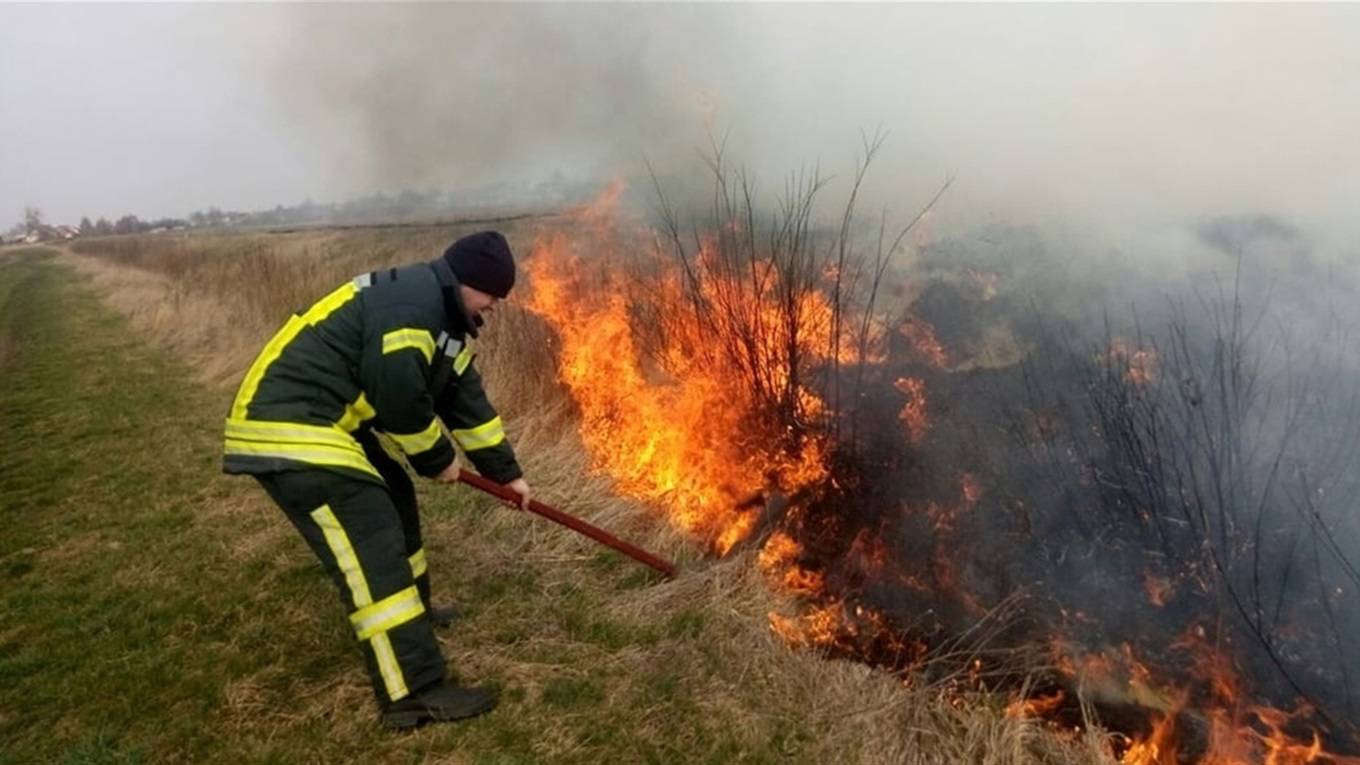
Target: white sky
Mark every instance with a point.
(1043, 111)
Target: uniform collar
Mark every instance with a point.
(458, 317)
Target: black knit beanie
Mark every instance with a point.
(483, 262)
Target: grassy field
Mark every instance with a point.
(158, 611)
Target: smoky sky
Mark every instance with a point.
(1109, 113)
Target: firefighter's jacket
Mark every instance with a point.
(389, 351)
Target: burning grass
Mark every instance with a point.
(669, 427)
(690, 329)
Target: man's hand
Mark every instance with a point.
(521, 487)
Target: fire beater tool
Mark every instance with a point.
(570, 521)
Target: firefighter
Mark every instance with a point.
(327, 414)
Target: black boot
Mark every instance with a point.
(443, 616)
(439, 703)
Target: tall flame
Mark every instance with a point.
(672, 422)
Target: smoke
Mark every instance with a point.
(1096, 114)
(463, 95)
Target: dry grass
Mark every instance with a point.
(215, 300)
(664, 657)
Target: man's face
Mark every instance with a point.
(476, 301)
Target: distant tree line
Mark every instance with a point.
(405, 206)
(129, 224)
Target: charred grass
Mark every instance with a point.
(158, 611)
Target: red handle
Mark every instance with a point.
(570, 521)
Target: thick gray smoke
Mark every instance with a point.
(460, 95)
(1116, 114)
(1109, 114)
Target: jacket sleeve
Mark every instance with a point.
(395, 374)
(474, 423)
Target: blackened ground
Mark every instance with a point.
(1198, 517)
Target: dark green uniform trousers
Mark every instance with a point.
(403, 494)
(368, 539)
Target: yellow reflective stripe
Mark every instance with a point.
(271, 351)
(418, 566)
(389, 668)
(461, 361)
(400, 339)
(312, 454)
(416, 443)
(387, 613)
(338, 541)
(317, 313)
(483, 436)
(290, 432)
(355, 414)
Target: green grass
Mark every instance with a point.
(155, 610)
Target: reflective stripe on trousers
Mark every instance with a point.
(371, 620)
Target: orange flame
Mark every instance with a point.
(818, 627)
(779, 552)
(1158, 589)
(1159, 748)
(971, 488)
(778, 558)
(1140, 364)
(672, 422)
(1038, 706)
(924, 345)
(913, 413)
